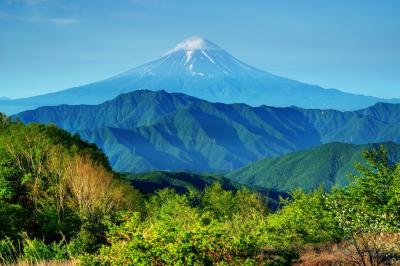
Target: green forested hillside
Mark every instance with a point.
(143, 131)
(204, 137)
(328, 165)
(54, 188)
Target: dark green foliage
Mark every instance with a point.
(8, 252)
(181, 182)
(328, 165)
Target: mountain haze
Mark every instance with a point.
(199, 68)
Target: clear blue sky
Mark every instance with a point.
(50, 45)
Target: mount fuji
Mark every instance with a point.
(200, 68)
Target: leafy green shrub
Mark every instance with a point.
(305, 218)
(60, 251)
(368, 210)
(85, 241)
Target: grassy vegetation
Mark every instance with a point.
(60, 202)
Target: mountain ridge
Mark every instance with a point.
(172, 131)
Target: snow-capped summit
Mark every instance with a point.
(196, 58)
(194, 43)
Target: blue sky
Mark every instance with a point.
(50, 45)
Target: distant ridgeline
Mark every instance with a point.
(145, 130)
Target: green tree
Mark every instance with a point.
(368, 210)
(304, 218)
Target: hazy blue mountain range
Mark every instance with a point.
(327, 164)
(146, 130)
(125, 111)
(199, 68)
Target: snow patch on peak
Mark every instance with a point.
(193, 43)
(209, 58)
(188, 56)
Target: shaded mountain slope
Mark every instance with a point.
(206, 137)
(145, 130)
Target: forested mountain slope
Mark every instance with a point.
(328, 165)
(145, 130)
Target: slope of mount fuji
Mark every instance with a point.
(199, 68)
